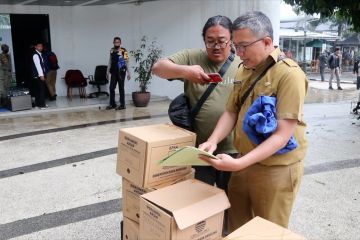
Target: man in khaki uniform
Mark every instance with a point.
(263, 183)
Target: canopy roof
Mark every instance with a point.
(300, 35)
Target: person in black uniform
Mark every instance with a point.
(38, 74)
(117, 69)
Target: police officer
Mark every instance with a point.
(117, 69)
(263, 183)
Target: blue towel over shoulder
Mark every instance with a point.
(260, 122)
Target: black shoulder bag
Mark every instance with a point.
(180, 112)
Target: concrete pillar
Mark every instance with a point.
(269, 7)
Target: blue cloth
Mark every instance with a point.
(260, 122)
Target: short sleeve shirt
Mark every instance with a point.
(289, 84)
(215, 105)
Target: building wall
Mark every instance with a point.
(82, 35)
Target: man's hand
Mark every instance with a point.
(208, 147)
(128, 77)
(42, 78)
(196, 74)
(224, 162)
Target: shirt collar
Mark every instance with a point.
(273, 57)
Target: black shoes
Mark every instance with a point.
(331, 88)
(110, 107)
(357, 108)
(52, 98)
(120, 108)
(115, 107)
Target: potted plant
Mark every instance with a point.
(145, 57)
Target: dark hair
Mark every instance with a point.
(337, 49)
(117, 38)
(4, 48)
(259, 24)
(38, 42)
(217, 20)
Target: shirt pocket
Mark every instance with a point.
(264, 89)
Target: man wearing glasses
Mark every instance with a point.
(191, 66)
(263, 183)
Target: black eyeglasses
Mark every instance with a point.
(242, 47)
(212, 44)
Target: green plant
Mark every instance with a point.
(145, 57)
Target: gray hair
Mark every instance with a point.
(259, 24)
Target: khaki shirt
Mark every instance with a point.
(289, 84)
(215, 105)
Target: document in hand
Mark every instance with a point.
(186, 156)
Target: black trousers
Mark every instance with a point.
(212, 176)
(40, 88)
(115, 79)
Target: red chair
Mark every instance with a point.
(75, 79)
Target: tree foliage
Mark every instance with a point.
(345, 10)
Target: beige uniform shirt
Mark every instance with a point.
(214, 106)
(289, 84)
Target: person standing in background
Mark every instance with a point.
(51, 66)
(38, 74)
(117, 69)
(5, 72)
(334, 65)
(322, 61)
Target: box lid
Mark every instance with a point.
(190, 201)
(158, 132)
(259, 228)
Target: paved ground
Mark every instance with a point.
(58, 180)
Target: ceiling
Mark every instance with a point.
(71, 2)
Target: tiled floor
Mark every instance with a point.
(64, 104)
(58, 179)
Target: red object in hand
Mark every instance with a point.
(215, 77)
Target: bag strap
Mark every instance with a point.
(195, 110)
(248, 91)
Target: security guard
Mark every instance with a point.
(263, 183)
(116, 71)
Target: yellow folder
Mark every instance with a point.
(186, 156)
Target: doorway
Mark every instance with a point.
(25, 30)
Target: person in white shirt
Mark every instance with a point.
(38, 72)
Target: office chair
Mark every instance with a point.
(75, 79)
(98, 80)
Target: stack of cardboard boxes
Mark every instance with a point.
(166, 202)
(172, 207)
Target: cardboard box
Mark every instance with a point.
(131, 230)
(141, 148)
(131, 195)
(190, 210)
(261, 229)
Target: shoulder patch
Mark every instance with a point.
(290, 62)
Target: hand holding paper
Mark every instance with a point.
(187, 156)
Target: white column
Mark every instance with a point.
(270, 8)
